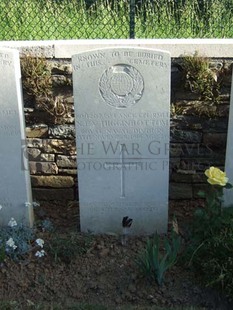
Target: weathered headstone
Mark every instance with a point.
(122, 98)
(15, 189)
(228, 194)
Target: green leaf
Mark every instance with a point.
(201, 194)
(199, 212)
(228, 186)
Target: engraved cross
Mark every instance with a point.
(122, 165)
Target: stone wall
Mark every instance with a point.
(198, 139)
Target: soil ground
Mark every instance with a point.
(103, 273)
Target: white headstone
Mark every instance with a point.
(228, 194)
(122, 99)
(15, 188)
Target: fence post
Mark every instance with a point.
(132, 19)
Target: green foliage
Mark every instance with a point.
(200, 78)
(153, 263)
(45, 226)
(70, 19)
(209, 221)
(36, 76)
(22, 236)
(64, 248)
(210, 249)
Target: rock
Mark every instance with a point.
(43, 168)
(61, 80)
(36, 131)
(33, 153)
(61, 68)
(47, 157)
(62, 131)
(66, 161)
(28, 110)
(69, 99)
(68, 171)
(65, 147)
(34, 143)
(52, 181)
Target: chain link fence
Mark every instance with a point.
(115, 19)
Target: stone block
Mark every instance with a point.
(68, 171)
(66, 161)
(52, 181)
(47, 157)
(62, 132)
(43, 168)
(61, 68)
(61, 80)
(33, 153)
(34, 142)
(53, 194)
(66, 147)
(37, 131)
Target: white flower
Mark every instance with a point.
(0, 207)
(40, 253)
(40, 242)
(10, 242)
(35, 204)
(28, 204)
(12, 222)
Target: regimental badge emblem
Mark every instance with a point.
(121, 86)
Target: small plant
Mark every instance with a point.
(209, 220)
(153, 263)
(64, 248)
(36, 76)
(211, 246)
(18, 240)
(200, 78)
(46, 226)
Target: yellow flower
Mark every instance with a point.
(216, 176)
